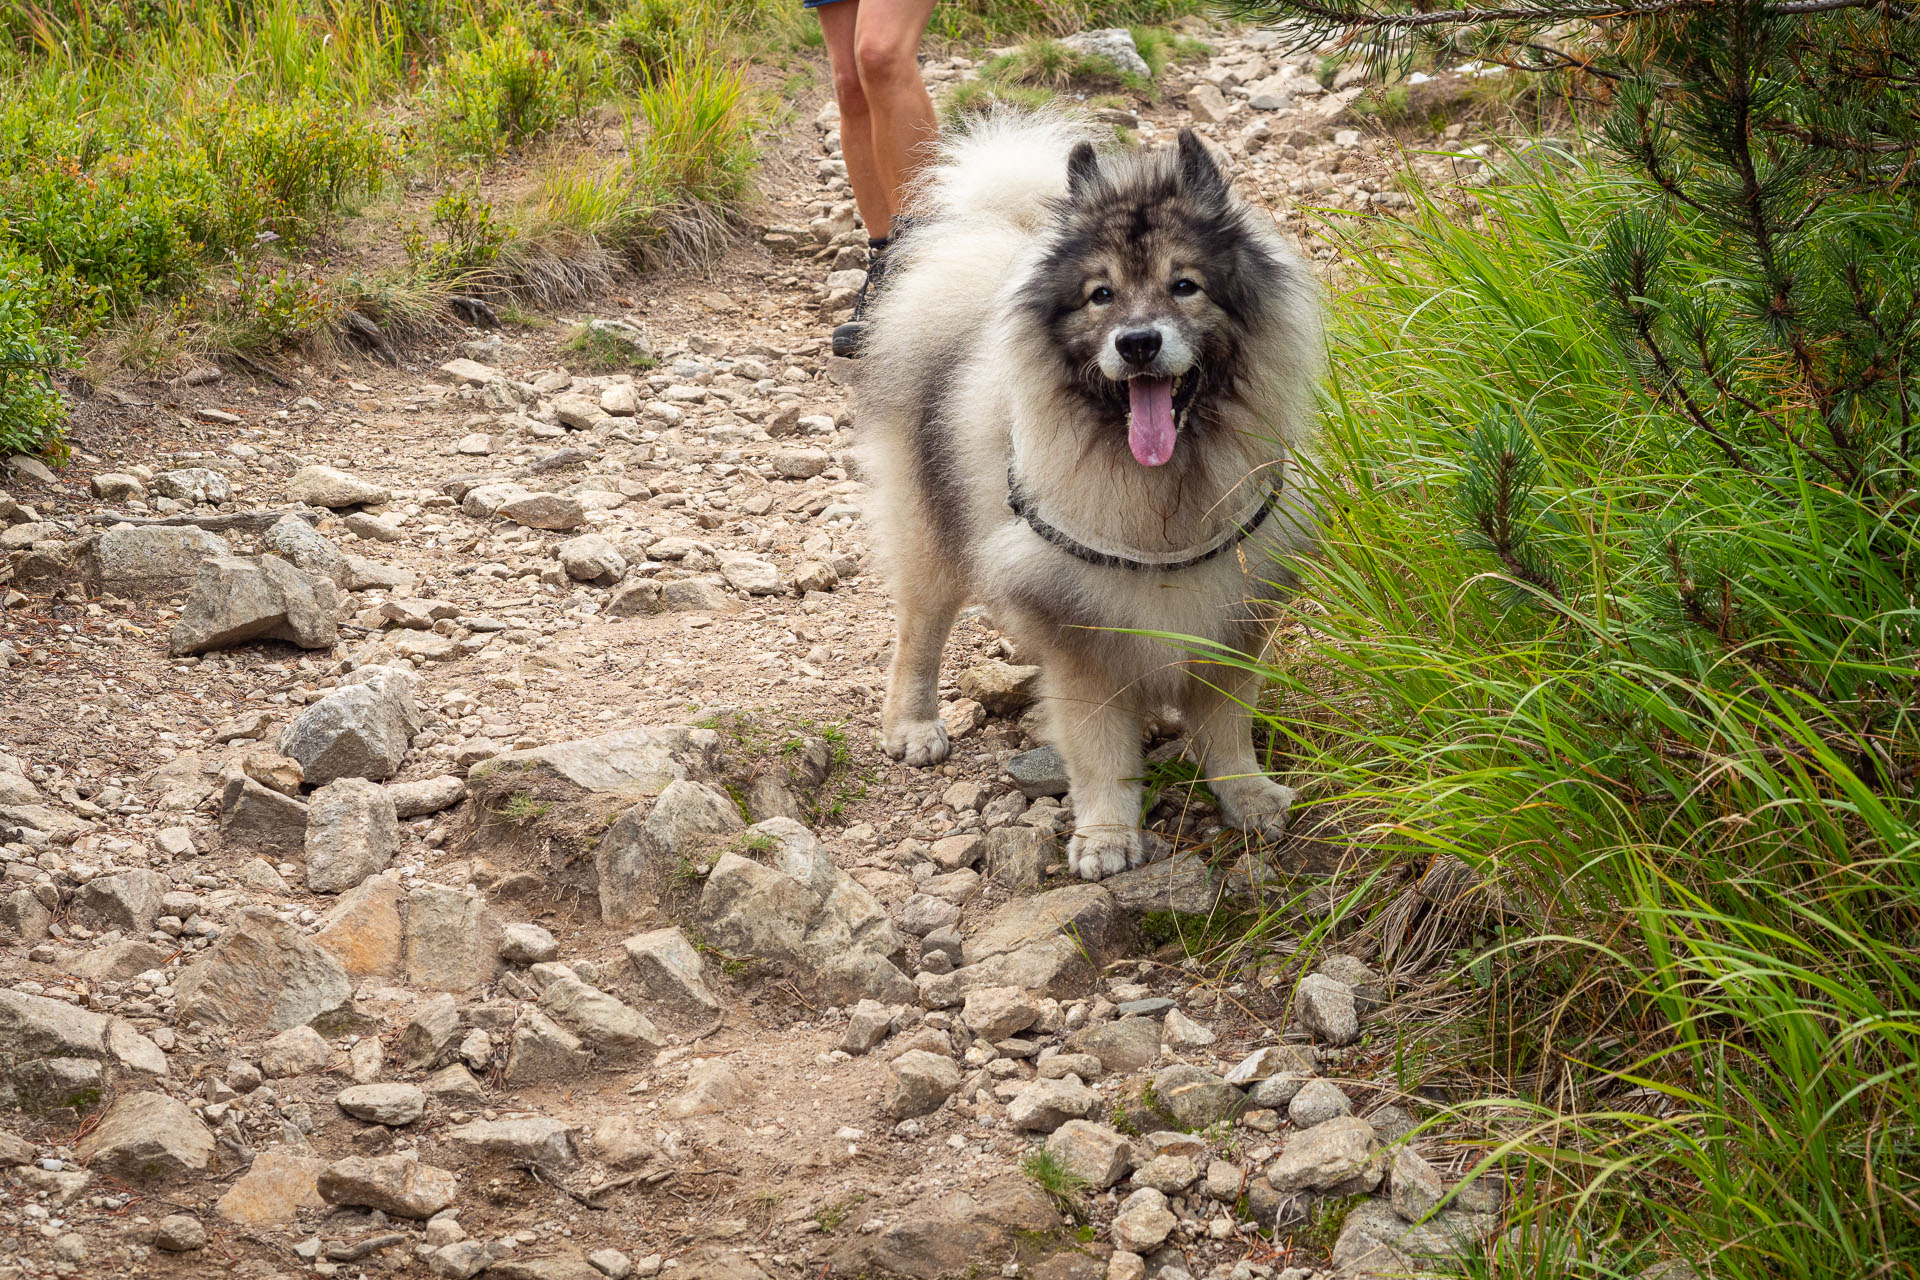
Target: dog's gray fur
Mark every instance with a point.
(985, 349)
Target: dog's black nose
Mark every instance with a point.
(1138, 347)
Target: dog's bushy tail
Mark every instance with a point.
(1003, 166)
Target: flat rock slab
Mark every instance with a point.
(397, 1185)
(1374, 1241)
(1086, 913)
(144, 561)
(947, 1233)
(1185, 883)
(628, 762)
(275, 1189)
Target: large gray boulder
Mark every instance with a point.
(359, 731)
(236, 600)
(140, 562)
(807, 916)
(307, 549)
(351, 833)
(637, 853)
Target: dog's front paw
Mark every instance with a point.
(1256, 805)
(1095, 855)
(917, 742)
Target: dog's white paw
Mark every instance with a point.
(917, 742)
(1258, 806)
(1095, 855)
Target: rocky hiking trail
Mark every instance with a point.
(444, 835)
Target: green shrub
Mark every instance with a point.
(1558, 638)
(32, 410)
(267, 310)
(284, 168)
(690, 153)
(646, 36)
(469, 244)
(506, 89)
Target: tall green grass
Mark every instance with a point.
(1685, 983)
(166, 164)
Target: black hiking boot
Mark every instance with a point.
(850, 337)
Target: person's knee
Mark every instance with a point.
(848, 92)
(885, 61)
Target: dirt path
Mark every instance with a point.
(516, 554)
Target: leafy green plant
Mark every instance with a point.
(1646, 698)
(31, 351)
(504, 90)
(468, 244)
(647, 36)
(268, 310)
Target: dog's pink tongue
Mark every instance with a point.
(1150, 432)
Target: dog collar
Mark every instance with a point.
(1141, 562)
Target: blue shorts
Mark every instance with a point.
(816, 4)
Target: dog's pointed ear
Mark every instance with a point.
(1199, 172)
(1083, 166)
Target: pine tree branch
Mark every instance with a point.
(1496, 526)
(1673, 389)
(1717, 376)
(1834, 142)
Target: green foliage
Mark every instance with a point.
(1160, 47)
(520, 807)
(648, 35)
(1048, 64)
(469, 242)
(514, 83)
(697, 148)
(281, 167)
(269, 309)
(997, 21)
(1657, 701)
(31, 408)
(1619, 613)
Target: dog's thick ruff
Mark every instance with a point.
(1055, 314)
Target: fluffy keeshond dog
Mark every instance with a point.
(1086, 379)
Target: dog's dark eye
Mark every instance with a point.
(1184, 288)
(1100, 297)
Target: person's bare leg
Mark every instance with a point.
(872, 191)
(886, 44)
